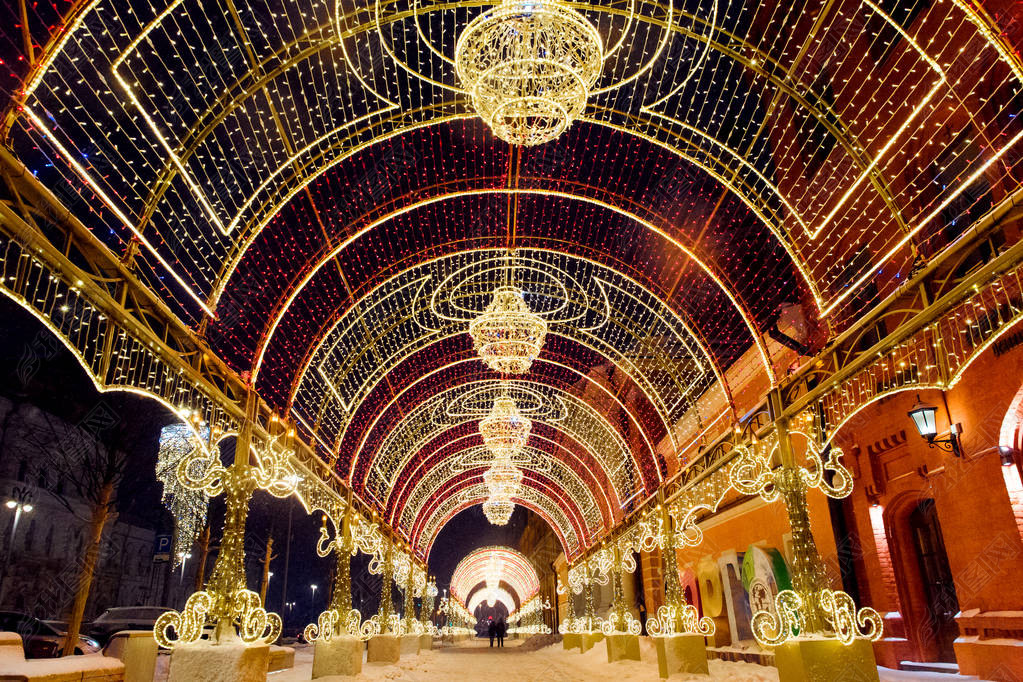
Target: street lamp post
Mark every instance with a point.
(20, 503)
(312, 601)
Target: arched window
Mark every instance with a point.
(22, 470)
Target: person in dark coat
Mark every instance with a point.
(492, 630)
(502, 628)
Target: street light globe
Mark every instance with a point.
(26, 508)
(11, 504)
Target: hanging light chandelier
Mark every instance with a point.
(529, 66)
(505, 430)
(508, 335)
(498, 510)
(503, 479)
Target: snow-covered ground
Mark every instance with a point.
(471, 661)
(477, 661)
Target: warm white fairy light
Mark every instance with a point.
(187, 505)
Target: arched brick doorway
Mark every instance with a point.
(939, 592)
(923, 578)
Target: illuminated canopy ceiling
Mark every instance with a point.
(308, 186)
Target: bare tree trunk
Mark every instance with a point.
(267, 557)
(97, 523)
(204, 552)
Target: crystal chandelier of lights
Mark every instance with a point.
(529, 66)
(503, 479)
(508, 335)
(505, 430)
(498, 510)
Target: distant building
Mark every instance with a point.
(50, 541)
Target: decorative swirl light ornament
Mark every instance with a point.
(340, 619)
(676, 617)
(508, 335)
(674, 620)
(810, 607)
(226, 603)
(772, 629)
(846, 622)
(529, 66)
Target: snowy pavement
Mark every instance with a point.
(477, 661)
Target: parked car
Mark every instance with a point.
(123, 618)
(40, 639)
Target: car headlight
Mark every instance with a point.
(91, 642)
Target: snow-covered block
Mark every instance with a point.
(14, 667)
(425, 642)
(622, 647)
(137, 649)
(227, 661)
(819, 659)
(383, 649)
(339, 656)
(410, 645)
(11, 649)
(571, 640)
(588, 640)
(281, 658)
(681, 655)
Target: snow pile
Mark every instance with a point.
(539, 642)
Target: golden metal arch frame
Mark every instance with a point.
(606, 510)
(428, 529)
(423, 495)
(561, 506)
(328, 257)
(600, 419)
(596, 344)
(260, 70)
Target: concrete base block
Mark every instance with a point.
(281, 658)
(587, 640)
(425, 642)
(339, 656)
(825, 660)
(681, 654)
(571, 640)
(623, 647)
(383, 649)
(137, 650)
(409, 645)
(230, 661)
